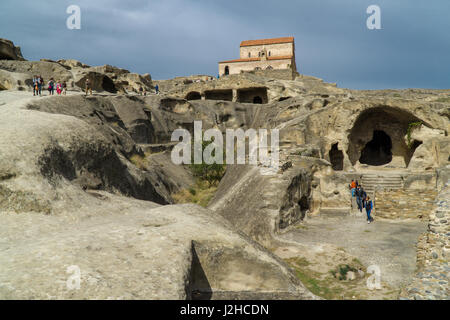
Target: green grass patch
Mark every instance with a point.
(140, 161)
(200, 194)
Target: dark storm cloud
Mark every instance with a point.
(170, 38)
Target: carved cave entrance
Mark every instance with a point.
(253, 95)
(378, 138)
(194, 95)
(336, 158)
(378, 151)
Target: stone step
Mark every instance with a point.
(363, 182)
(334, 212)
(381, 181)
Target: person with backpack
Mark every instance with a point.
(51, 88)
(364, 196)
(35, 85)
(352, 187)
(359, 198)
(40, 85)
(369, 207)
(59, 88)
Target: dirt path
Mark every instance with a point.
(326, 243)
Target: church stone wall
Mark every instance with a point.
(282, 49)
(238, 67)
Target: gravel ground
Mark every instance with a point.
(389, 244)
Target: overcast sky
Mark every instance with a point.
(169, 38)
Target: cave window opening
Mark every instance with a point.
(257, 100)
(336, 158)
(194, 96)
(378, 151)
(303, 204)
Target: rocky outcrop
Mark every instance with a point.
(8, 51)
(17, 74)
(68, 199)
(88, 159)
(128, 249)
(263, 205)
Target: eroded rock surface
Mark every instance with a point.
(8, 51)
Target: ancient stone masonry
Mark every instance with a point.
(265, 54)
(405, 204)
(433, 252)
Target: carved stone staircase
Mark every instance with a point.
(381, 181)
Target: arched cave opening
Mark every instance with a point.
(378, 151)
(194, 96)
(336, 158)
(108, 85)
(378, 137)
(256, 95)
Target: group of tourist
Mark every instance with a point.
(61, 87)
(38, 84)
(362, 199)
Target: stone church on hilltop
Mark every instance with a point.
(264, 54)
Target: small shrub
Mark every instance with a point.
(200, 194)
(342, 270)
(140, 161)
(211, 173)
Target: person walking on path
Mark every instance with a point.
(51, 89)
(364, 197)
(369, 207)
(88, 86)
(359, 198)
(353, 187)
(35, 85)
(64, 87)
(157, 89)
(59, 88)
(40, 85)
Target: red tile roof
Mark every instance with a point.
(267, 41)
(258, 59)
